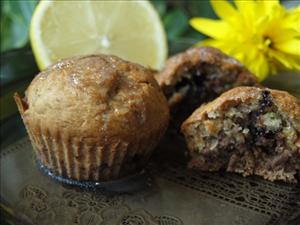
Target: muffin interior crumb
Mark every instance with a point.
(250, 139)
(200, 84)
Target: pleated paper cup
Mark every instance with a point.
(74, 158)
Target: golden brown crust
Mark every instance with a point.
(96, 95)
(182, 62)
(285, 102)
(92, 102)
(288, 104)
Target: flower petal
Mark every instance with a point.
(260, 67)
(294, 61)
(286, 61)
(291, 46)
(277, 37)
(270, 6)
(245, 6)
(223, 9)
(292, 19)
(214, 28)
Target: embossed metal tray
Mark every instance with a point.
(176, 196)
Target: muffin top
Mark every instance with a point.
(97, 96)
(179, 64)
(287, 104)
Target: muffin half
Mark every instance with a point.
(247, 130)
(199, 75)
(94, 118)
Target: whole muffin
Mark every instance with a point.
(247, 130)
(94, 118)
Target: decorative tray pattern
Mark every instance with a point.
(175, 196)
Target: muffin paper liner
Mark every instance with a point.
(71, 157)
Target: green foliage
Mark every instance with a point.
(18, 68)
(160, 6)
(175, 16)
(16, 16)
(176, 23)
(15, 19)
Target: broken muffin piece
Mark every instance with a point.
(247, 130)
(199, 75)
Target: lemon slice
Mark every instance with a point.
(131, 30)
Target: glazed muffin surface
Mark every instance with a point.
(247, 130)
(91, 117)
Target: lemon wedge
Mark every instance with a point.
(131, 30)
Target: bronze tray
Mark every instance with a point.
(176, 195)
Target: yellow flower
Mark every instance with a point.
(261, 34)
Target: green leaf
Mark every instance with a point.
(15, 20)
(180, 44)
(201, 9)
(18, 67)
(193, 34)
(176, 23)
(8, 105)
(160, 6)
(198, 9)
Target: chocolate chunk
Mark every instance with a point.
(266, 100)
